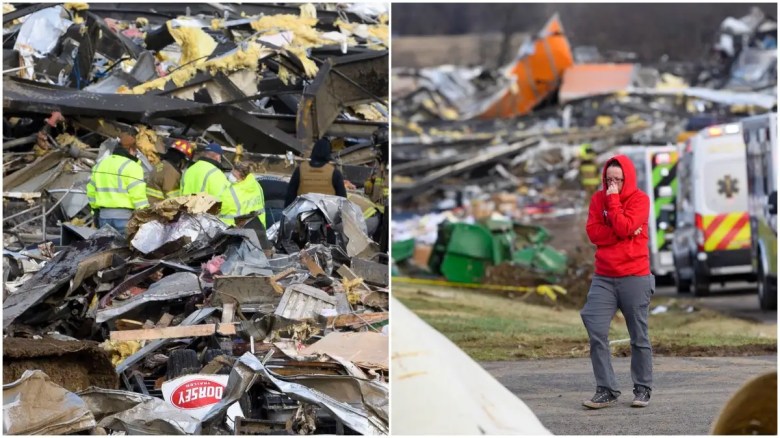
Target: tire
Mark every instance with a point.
(683, 286)
(182, 362)
(767, 291)
(701, 282)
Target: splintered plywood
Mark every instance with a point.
(301, 302)
(366, 349)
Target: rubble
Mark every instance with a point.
(130, 332)
(474, 144)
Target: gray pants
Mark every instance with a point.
(632, 296)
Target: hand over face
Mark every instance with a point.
(612, 189)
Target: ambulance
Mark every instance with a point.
(656, 169)
(760, 135)
(712, 242)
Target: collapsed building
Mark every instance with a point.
(185, 325)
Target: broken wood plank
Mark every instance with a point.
(128, 324)
(165, 320)
(283, 274)
(228, 311)
(174, 332)
(314, 268)
(349, 274)
(274, 280)
(357, 321)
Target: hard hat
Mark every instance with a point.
(184, 147)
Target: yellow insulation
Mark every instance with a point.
(309, 67)
(308, 11)
(76, 6)
(121, 350)
(146, 141)
(306, 35)
(378, 31)
(238, 60)
(195, 43)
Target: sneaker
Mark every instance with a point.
(604, 397)
(641, 396)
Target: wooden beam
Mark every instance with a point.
(274, 280)
(228, 311)
(188, 331)
(357, 321)
(165, 320)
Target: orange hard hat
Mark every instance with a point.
(184, 147)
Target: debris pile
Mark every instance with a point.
(474, 144)
(265, 81)
(184, 324)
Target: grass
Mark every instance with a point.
(496, 328)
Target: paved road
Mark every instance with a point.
(736, 299)
(688, 395)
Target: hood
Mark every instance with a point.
(629, 176)
(321, 151)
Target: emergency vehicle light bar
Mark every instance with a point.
(715, 131)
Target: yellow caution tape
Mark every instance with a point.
(550, 290)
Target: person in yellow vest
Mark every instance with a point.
(589, 174)
(244, 199)
(116, 187)
(165, 179)
(317, 175)
(243, 204)
(206, 175)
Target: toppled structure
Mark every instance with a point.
(266, 81)
(185, 325)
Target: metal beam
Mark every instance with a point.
(340, 83)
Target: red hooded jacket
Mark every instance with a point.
(612, 221)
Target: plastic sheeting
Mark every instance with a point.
(34, 405)
(332, 207)
(41, 32)
(200, 229)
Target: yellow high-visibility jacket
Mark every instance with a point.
(204, 176)
(117, 181)
(242, 198)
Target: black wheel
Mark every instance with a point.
(767, 292)
(683, 285)
(701, 282)
(182, 362)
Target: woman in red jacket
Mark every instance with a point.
(617, 225)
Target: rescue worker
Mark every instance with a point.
(206, 175)
(242, 198)
(243, 205)
(165, 179)
(117, 186)
(588, 171)
(316, 176)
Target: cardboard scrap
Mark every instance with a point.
(365, 349)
